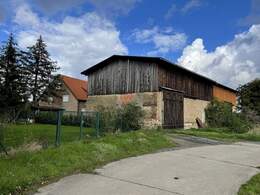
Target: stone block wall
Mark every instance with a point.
(151, 102)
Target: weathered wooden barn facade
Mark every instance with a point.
(171, 95)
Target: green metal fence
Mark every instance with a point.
(49, 128)
(88, 123)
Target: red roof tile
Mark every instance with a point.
(77, 87)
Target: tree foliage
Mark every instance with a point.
(249, 97)
(41, 69)
(24, 74)
(219, 114)
(125, 118)
(13, 78)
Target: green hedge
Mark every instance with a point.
(67, 118)
(125, 118)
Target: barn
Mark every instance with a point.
(172, 96)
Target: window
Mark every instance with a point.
(65, 98)
(50, 100)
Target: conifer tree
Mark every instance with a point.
(13, 80)
(41, 69)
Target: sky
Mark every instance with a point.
(216, 38)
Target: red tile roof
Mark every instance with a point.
(77, 87)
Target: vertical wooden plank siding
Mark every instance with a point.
(124, 76)
(191, 85)
(173, 109)
(133, 76)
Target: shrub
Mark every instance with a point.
(68, 118)
(251, 115)
(51, 118)
(46, 117)
(125, 118)
(109, 118)
(219, 114)
(132, 117)
(238, 123)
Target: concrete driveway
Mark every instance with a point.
(215, 169)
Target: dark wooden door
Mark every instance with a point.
(173, 109)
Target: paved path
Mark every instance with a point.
(211, 169)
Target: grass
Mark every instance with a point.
(26, 171)
(219, 134)
(252, 187)
(19, 134)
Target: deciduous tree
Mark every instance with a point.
(249, 96)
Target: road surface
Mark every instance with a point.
(212, 169)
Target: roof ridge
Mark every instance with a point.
(62, 75)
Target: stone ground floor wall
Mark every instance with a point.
(194, 108)
(151, 102)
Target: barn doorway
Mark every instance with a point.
(173, 108)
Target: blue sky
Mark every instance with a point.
(217, 38)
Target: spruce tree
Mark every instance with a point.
(13, 81)
(41, 69)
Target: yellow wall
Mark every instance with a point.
(194, 108)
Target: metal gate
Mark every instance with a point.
(173, 108)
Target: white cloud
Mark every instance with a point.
(164, 41)
(170, 11)
(191, 5)
(233, 64)
(187, 7)
(24, 16)
(113, 7)
(75, 43)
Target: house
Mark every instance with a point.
(172, 96)
(73, 95)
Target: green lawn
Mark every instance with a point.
(26, 171)
(219, 134)
(252, 187)
(17, 135)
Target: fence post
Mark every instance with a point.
(81, 126)
(121, 122)
(97, 123)
(58, 128)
